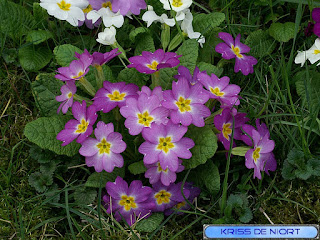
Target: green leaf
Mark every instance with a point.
(189, 51)
(308, 88)
(48, 168)
(135, 32)
(15, 20)
(314, 163)
(166, 77)
(151, 223)
(85, 196)
(206, 144)
(137, 168)
(40, 15)
(38, 36)
(304, 173)
(145, 43)
(207, 175)
(210, 69)
(40, 181)
(33, 58)
(282, 32)
(97, 180)
(131, 75)
(239, 204)
(288, 172)
(240, 151)
(9, 54)
(207, 53)
(43, 132)
(40, 155)
(204, 23)
(260, 43)
(65, 54)
(45, 88)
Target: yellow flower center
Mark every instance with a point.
(180, 204)
(162, 197)
(116, 96)
(236, 51)
(87, 9)
(69, 95)
(177, 3)
(165, 144)
(216, 91)
(226, 130)
(64, 6)
(316, 51)
(145, 119)
(104, 146)
(107, 4)
(183, 104)
(256, 154)
(79, 75)
(153, 65)
(127, 202)
(82, 127)
(160, 168)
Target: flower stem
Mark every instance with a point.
(80, 99)
(99, 75)
(87, 85)
(155, 77)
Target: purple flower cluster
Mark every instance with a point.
(136, 201)
(316, 18)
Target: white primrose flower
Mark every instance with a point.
(313, 54)
(109, 18)
(108, 36)
(176, 5)
(150, 16)
(69, 10)
(187, 28)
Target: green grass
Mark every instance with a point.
(268, 94)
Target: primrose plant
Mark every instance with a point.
(164, 115)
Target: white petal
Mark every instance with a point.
(301, 58)
(93, 15)
(150, 17)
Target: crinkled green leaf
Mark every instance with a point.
(145, 43)
(287, 171)
(204, 23)
(135, 32)
(238, 204)
(65, 54)
(33, 58)
(282, 32)
(131, 75)
(137, 168)
(308, 87)
(97, 180)
(314, 163)
(41, 155)
(151, 223)
(43, 132)
(48, 168)
(166, 77)
(9, 55)
(304, 173)
(206, 176)
(296, 157)
(246, 216)
(210, 69)
(45, 88)
(38, 36)
(85, 195)
(15, 20)
(260, 43)
(53, 193)
(189, 51)
(40, 181)
(205, 145)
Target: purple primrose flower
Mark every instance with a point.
(224, 123)
(66, 97)
(155, 173)
(150, 62)
(80, 127)
(220, 89)
(77, 68)
(316, 18)
(184, 72)
(99, 59)
(165, 143)
(132, 203)
(128, 6)
(142, 112)
(98, 4)
(187, 103)
(113, 95)
(157, 91)
(166, 197)
(104, 152)
(235, 49)
(260, 157)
